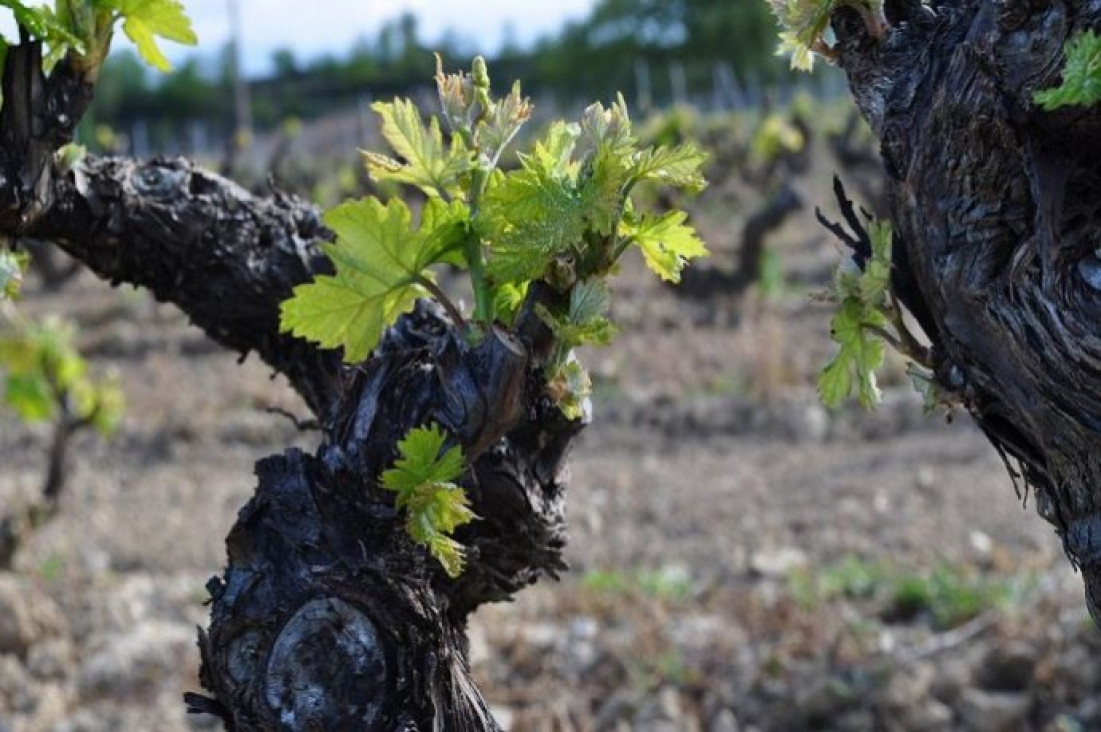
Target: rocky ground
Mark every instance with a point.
(742, 558)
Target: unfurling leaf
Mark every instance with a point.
(585, 323)
(426, 161)
(861, 317)
(435, 506)
(570, 387)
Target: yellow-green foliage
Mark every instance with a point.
(44, 374)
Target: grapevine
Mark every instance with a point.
(559, 222)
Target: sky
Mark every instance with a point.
(314, 28)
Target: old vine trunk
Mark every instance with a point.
(997, 212)
(328, 616)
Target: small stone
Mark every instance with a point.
(618, 707)
(987, 711)
(778, 563)
(51, 659)
(661, 712)
(928, 716)
(583, 628)
(981, 542)
(27, 616)
(126, 663)
(16, 686)
(724, 721)
(908, 687)
(541, 636)
(503, 715)
(51, 705)
(858, 720)
(926, 477)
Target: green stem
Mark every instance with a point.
(483, 303)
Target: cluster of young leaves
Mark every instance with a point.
(862, 297)
(85, 27)
(423, 479)
(45, 378)
(803, 25)
(1081, 84)
(563, 217)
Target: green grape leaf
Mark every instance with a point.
(42, 24)
(435, 506)
(146, 20)
(860, 355)
(427, 162)
(680, 166)
(43, 370)
(381, 267)
(30, 396)
(862, 295)
(529, 216)
(12, 265)
(1081, 75)
(667, 244)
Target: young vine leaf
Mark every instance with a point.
(1081, 75)
(382, 267)
(44, 373)
(666, 242)
(435, 506)
(429, 164)
(856, 326)
(146, 20)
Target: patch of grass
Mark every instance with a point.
(667, 583)
(666, 668)
(852, 578)
(50, 568)
(948, 595)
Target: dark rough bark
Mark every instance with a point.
(327, 616)
(997, 207)
(226, 257)
(324, 589)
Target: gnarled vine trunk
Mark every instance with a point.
(328, 616)
(997, 212)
